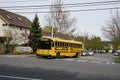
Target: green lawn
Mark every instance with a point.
(117, 59)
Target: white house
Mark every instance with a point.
(15, 26)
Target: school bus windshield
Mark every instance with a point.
(44, 45)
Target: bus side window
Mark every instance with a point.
(67, 44)
(77, 45)
(80, 45)
(53, 44)
(70, 44)
(74, 45)
(61, 44)
(64, 44)
(56, 44)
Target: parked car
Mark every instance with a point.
(84, 53)
(90, 53)
(116, 54)
(22, 50)
(87, 53)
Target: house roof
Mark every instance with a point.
(15, 19)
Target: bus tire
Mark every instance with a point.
(57, 55)
(38, 55)
(76, 55)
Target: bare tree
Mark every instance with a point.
(59, 17)
(112, 29)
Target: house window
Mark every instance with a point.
(10, 24)
(19, 18)
(8, 17)
(4, 24)
(21, 28)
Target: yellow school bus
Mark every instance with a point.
(55, 47)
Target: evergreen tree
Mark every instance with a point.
(35, 33)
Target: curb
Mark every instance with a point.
(18, 55)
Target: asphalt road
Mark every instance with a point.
(97, 67)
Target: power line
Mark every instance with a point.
(67, 5)
(82, 4)
(94, 2)
(99, 9)
(21, 1)
(62, 7)
(82, 10)
(64, 4)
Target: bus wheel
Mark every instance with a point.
(38, 55)
(76, 55)
(57, 55)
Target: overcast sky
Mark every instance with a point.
(89, 22)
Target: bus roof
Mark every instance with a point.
(61, 40)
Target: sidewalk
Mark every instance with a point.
(30, 55)
(95, 58)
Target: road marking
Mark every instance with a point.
(56, 59)
(108, 62)
(93, 61)
(23, 57)
(9, 56)
(81, 60)
(31, 58)
(113, 63)
(98, 61)
(68, 59)
(13, 77)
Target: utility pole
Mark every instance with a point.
(84, 40)
(84, 43)
(52, 19)
(52, 32)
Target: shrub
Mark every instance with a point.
(7, 51)
(117, 59)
